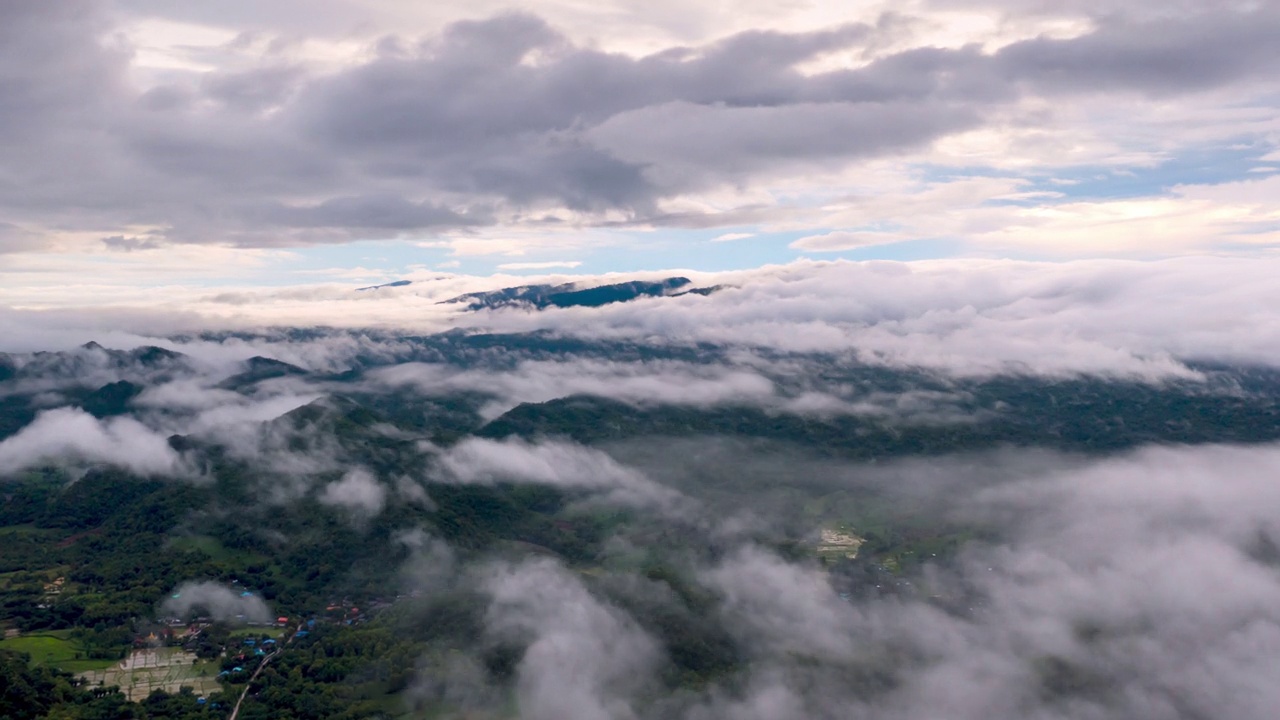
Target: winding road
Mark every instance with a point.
(245, 693)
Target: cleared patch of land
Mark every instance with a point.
(145, 671)
(838, 542)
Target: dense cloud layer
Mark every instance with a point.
(795, 340)
(1140, 319)
(970, 318)
(507, 119)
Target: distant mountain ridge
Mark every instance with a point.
(397, 283)
(87, 358)
(257, 369)
(540, 297)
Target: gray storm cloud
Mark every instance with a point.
(220, 602)
(494, 136)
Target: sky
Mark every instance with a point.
(170, 148)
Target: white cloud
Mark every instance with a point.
(220, 602)
(846, 240)
(358, 492)
(645, 383)
(584, 658)
(72, 435)
(556, 463)
(970, 317)
(782, 607)
(960, 316)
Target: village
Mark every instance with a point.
(205, 654)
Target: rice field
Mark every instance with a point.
(152, 669)
(56, 649)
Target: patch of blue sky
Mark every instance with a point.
(1202, 165)
(903, 251)
(667, 248)
(699, 250)
(375, 262)
(1208, 165)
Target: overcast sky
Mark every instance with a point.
(152, 143)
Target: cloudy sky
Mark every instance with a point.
(146, 144)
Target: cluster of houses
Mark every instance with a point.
(252, 648)
(189, 632)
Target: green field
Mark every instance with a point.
(55, 648)
(201, 543)
(211, 547)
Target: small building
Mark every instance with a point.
(153, 636)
